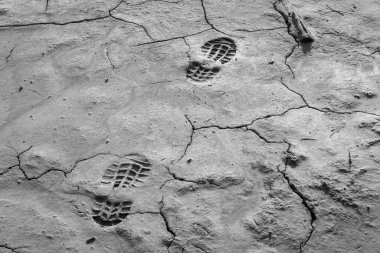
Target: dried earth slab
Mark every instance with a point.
(189, 126)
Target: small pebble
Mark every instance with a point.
(91, 240)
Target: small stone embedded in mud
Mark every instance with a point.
(91, 240)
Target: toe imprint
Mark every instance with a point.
(221, 49)
(128, 173)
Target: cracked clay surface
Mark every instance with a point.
(178, 126)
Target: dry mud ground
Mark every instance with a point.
(189, 126)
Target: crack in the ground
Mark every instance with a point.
(338, 196)
(24, 173)
(165, 82)
(144, 212)
(10, 54)
(87, 158)
(18, 165)
(305, 203)
(110, 15)
(353, 39)
(173, 38)
(5, 246)
(188, 51)
(305, 200)
(333, 10)
(287, 57)
(279, 114)
(246, 127)
(193, 129)
(208, 182)
(56, 23)
(325, 109)
(65, 173)
(147, 32)
(292, 186)
(208, 21)
(108, 58)
(47, 5)
(260, 30)
(166, 221)
(116, 6)
(8, 169)
(19, 162)
(190, 138)
(262, 137)
(41, 175)
(199, 247)
(295, 92)
(134, 23)
(242, 126)
(349, 160)
(149, 1)
(204, 228)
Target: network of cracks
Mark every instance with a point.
(132, 170)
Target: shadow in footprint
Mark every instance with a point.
(197, 72)
(109, 213)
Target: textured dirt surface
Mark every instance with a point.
(190, 126)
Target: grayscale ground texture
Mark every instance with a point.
(202, 126)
